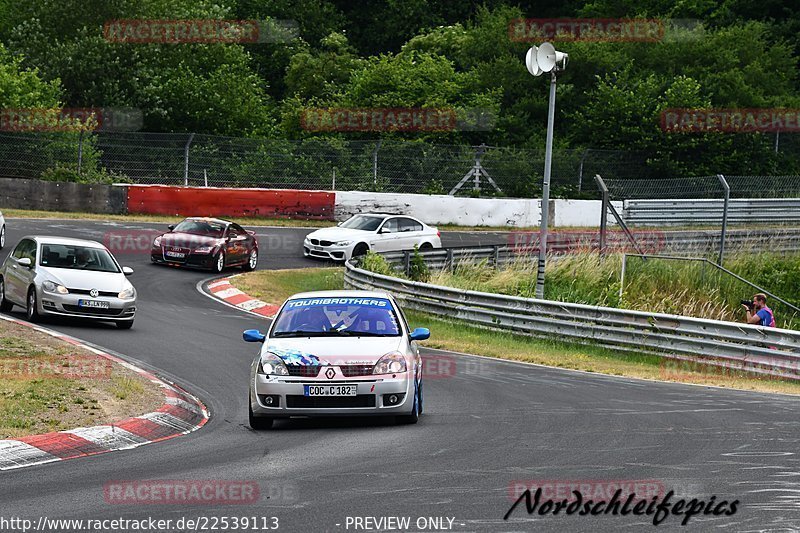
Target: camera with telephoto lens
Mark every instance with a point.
(748, 303)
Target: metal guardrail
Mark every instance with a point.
(707, 212)
(770, 351)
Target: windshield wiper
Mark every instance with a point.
(301, 333)
(349, 333)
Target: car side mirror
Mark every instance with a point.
(253, 335)
(25, 261)
(127, 271)
(171, 227)
(420, 334)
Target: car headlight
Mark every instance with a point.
(156, 242)
(391, 363)
(127, 293)
(273, 365)
(344, 243)
(51, 286)
(203, 250)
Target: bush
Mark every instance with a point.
(377, 264)
(69, 173)
(418, 270)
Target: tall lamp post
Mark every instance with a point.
(539, 60)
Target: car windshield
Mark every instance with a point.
(76, 257)
(201, 227)
(337, 317)
(362, 222)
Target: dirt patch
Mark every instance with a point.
(47, 385)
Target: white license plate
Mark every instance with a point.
(330, 390)
(177, 255)
(99, 304)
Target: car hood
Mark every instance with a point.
(86, 279)
(338, 234)
(188, 240)
(332, 351)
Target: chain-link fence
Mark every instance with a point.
(336, 163)
(327, 163)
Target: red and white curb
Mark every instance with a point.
(180, 414)
(223, 290)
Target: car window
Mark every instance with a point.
(201, 227)
(337, 317)
(408, 224)
(232, 232)
(240, 230)
(21, 250)
(362, 222)
(391, 226)
(77, 257)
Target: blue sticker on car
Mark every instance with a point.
(296, 357)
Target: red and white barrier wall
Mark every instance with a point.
(329, 205)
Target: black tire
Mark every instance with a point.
(31, 309)
(360, 249)
(426, 246)
(5, 305)
(251, 263)
(125, 324)
(2, 236)
(219, 262)
(258, 423)
(413, 418)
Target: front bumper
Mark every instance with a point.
(335, 253)
(67, 305)
(192, 260)
(288, 394)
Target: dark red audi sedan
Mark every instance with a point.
(206, 243)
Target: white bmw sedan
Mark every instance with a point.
(67, 277)
(370, 231)
(336, 353)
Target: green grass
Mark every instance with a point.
(275, 286)
(688, 288)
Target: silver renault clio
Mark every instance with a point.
(67, 277)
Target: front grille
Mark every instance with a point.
(305, 371)
(87, 291)
(91, 310)
(356, 370)
(315, 241)
(329, 402)
(325, 243)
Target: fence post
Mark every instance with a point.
(449, 260)
(496, 255)
(375, 165)
(580, 169)
(407, 262)
(186, 160)
(80, 152)
(603, 213)
(727, 189)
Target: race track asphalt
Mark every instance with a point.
(487, 425)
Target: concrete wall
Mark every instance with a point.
(16, 193)
(323, 205)
(580, 213)
(442, 209)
